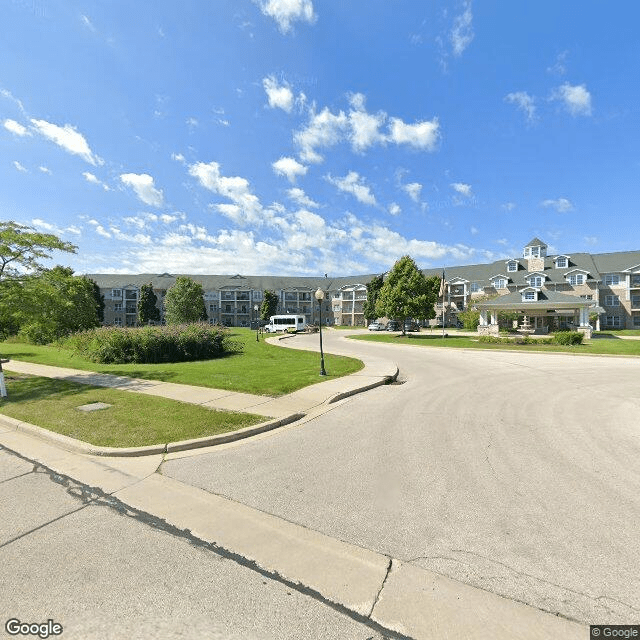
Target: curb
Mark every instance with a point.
(79, 446)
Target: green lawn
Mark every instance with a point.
(260, 368)
(134, 420)
(602, 346)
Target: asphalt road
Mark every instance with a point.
(515, 472)
(69, 555)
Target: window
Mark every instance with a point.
(117, 322)
(576, 278)
(117, 306)
(475, 287)
(512, 265)
(635, 302)
(529, 295)
(611, 279)
(213, 308)
(561, 262)
(587, 297)
(227, 308)
(130, 294)
(535, 281)
(500, 283)
(636, 321)
(613, 321)
(612, 301)
(635, 281)
(116, 293)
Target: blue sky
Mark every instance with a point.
(303, 137)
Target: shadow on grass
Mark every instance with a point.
(26, 389)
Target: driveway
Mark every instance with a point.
(515, 472)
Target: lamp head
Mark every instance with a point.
(319, 294)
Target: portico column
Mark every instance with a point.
(483, 317)
(494, 316)
(584, 317)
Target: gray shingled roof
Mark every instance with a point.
(536, 242)
(546, 300)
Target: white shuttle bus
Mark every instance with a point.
(285, 323)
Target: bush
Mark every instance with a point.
(151, 345)
(568, 337)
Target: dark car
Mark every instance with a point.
(411, 326)
(393, 325)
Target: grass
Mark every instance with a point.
(261, 368)
(595, 346)
(618, 332)
(134, 420)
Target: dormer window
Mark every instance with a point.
(529, 295)
(535, 280)
(499, 283)
(576, 278)
(512, 265)
(562, 262)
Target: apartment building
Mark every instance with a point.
(577, 290)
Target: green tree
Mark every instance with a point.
(373, 290)
(147, 309)
(23, 248)
(54, 304)
(269, 305)
(184, 302)
(99, 301)
(407, 293)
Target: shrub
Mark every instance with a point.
(568, 337)
(151, 345)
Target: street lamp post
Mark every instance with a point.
(255, 308)
(319, 295)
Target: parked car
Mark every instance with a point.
(411, 326)
(376, 326)
(393, 325)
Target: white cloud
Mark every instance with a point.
(462, 188)
(413, 189)
(503, 241)
(87, 23)
(68, 138)
(16, 128)
(324, 129)
(246, 207)
(289, 167)
(462, 32)
(178, 157)
(286, 12)
(420, 135)
(89, 177)
(301, 198)
(144, 188)
(362, 130)
(38, 223)
(394, 209)
(192, 122)
(523, 101)
(20, 167)
(559, 68)
(354, 184)
(280, 96)
(474, 231)
(576, 99)
(561, 205)
(45, 170)
(100, 230)
(591, 240)
(508, 206)
(365, 127)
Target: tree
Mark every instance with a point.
(99, 298)
(184, 302)
(269, 304)
(407, 293)
(147, 310)
(54, 304)
(373, 290)
(22, 248)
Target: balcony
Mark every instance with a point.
(635, 282)
(242, 295)
(228, 295)
(635, 303)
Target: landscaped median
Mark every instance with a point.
(129, 420)
(598, 345)
(258, 368)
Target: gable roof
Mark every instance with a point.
(536, 242)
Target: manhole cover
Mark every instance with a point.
(94, 406)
